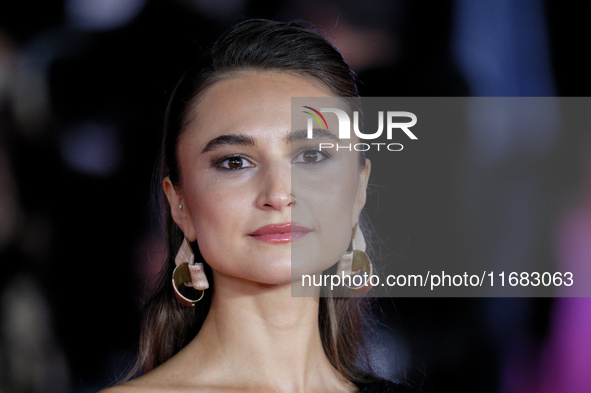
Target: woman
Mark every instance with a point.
(235, 175)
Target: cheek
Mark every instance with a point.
(216, 219)
(331, 194)
(335, 212)
(328, 203)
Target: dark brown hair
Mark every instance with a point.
(255, 45)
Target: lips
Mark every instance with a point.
(280, 233)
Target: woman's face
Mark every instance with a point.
(238, 168)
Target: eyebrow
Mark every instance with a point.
(302, 135)
(229, 140)
(246, 140)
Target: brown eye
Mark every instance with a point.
(234, 163)
(310, 156)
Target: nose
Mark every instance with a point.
(275, 190)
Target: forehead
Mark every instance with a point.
(248, 102)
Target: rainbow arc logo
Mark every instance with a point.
(316, 116)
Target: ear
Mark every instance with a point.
(361, 190)
(181, 217)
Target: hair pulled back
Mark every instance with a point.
(251, 46)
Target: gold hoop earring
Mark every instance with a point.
(189, 273)
(356, 263)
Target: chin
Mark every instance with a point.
(310, 263)
(271, 281)
(270, 271)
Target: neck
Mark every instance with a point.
(260, 335)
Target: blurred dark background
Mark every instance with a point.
(83, 85)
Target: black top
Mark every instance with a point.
(378, 385)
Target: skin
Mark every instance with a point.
(257, 337)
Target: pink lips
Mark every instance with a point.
(280, 233)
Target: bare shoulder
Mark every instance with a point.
(155, 381)
(137, 387)
(145, 384)
(131, 387)
(121, 389)
(168, 377)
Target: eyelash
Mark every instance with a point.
(323, 156)
(220, 162)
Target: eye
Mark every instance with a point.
(311, 156)
(233, 163)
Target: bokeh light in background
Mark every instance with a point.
(83, 85)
